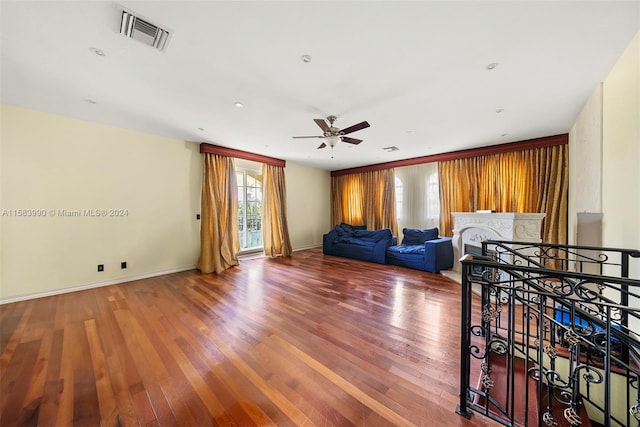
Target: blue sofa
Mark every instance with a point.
(422, 250)
(358, 243)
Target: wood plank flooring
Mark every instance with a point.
(312, 340)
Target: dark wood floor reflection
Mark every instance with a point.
(311, 340)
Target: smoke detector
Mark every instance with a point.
(138, 28)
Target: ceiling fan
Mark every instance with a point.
(332, 135)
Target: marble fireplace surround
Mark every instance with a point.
(471, 228)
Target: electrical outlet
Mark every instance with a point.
(100, 267)
(123, 264)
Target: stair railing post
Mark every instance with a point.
(607, 370)
(465, 339)
(624, 301)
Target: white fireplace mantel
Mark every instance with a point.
(475, 227)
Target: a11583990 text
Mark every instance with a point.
(31, 213)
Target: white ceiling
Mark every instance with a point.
(416, 71)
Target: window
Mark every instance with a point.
(399, 196)
(249, 209)
(418, 196)
(433, 197)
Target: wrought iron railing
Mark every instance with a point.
(545, 341)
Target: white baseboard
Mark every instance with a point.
(319, 245)
(260, 254)
(92, 285)
(25, 297)
(452, 274)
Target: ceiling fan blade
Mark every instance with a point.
(322, 124)
(297, 137)
(322, 145)
(351, 140)
(354, 128)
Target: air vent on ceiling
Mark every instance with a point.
(142, 30)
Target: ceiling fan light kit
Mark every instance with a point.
(332, 135)
(332, 140)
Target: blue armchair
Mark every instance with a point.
(422, 250)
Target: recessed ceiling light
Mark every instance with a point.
(306, 58)
(499, 110)
(492, 66)
(90, 101)
(97, 51)
(238, 104)
(200, 129)
(390, 149)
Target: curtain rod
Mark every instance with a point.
(239, 154)
(528, 144)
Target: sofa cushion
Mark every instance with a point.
(414, 236)
(353, 227)
(344, 230)
(373, 235)
(356, 241)
(407, 249)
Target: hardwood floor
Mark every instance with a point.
(310, 340)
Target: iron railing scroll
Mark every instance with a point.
(550, 335)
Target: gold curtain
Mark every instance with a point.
(347, 199)
(365, 198)
(553, 177)
(534, 180)
(275, 232)
(219, 238)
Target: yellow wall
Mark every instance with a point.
(615, 142)
(604, 148)
(621, 159)
(55, 163)
(585, 164)
(605, 154)
(619, 384)
(308, 204)
(308, 198)
(621, 153)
